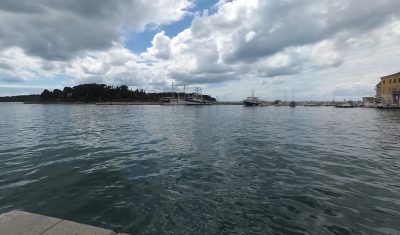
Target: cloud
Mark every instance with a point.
(115, 66)
(269, 38)
(279, 25)
(311, 45)
(354, 90)
(62, 30)
(11, 79)
(5, 66)
(160, 46)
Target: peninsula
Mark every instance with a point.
(94, 93)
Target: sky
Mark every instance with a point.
(286, 49)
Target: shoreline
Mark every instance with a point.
(236, 103)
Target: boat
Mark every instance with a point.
(171, 100)
(310, 104)
(345, 105)
(196, 98)
(292, 103)
(387, 106)
(277, 103)
(251, 100)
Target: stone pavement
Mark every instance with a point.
(24, 223)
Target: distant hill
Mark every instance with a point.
(94, 93)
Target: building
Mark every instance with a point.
(369, 102)
(388, 89)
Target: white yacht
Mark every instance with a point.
(251, 101)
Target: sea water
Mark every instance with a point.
(204, 169)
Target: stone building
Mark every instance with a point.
(388, 89)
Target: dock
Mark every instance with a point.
(24, 223)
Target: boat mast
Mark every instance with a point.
(292, 94)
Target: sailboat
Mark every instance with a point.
(171, 100)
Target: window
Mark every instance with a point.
(390, 81)
(383, 81)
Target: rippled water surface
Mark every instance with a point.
(204, 170)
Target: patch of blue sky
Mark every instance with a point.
(201, 5)
(138, 42)
(174, 29)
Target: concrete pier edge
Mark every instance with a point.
(24, 223)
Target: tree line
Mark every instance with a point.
(95, 93)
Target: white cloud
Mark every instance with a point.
(316, 47)
(160, 46)
(249, 36)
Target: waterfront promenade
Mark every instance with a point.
(24, 223)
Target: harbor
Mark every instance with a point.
(387, 97)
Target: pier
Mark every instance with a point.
(24, 223)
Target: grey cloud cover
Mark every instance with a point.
(61, 30)
(11, 79)
(282, 24)
(243, 37)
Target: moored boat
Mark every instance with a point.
(345, 105)
(251, 101)
(196, 98)
(171, 101)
